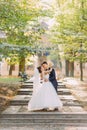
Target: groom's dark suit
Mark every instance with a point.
(52, 79)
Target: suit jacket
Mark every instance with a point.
(52, 79)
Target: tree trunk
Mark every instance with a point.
(71, 69)
(22, 65)
(11, 69)
(81, 71)
(67, 68)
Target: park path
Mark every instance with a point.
(17, 114)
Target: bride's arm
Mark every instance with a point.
(41, 75)
(48, 71)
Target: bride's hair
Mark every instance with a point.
(50, 64)
(39, 69)
(44, 63)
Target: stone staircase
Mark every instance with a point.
(62, 119)
(17, 114)
(27, 89)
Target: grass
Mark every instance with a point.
(9, 80)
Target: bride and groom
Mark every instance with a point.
(45, 94)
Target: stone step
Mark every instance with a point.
(42, 114)
(65, 97)
(60, 83)
(32, 82)
(27, 86)
(24, 92)
(44, 118)
(30, 93)
(59, 125)
(25, 102)
(31, 89)
(62, 121)
(31, 86)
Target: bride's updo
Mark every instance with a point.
(50, 64)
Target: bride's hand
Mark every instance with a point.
(46, 80)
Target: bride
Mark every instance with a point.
(46, 96)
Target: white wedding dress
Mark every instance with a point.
(45, 98)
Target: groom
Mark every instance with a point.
(52, 76)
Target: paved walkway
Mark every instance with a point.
(44, 127)
(78, 89)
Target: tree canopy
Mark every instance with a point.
(23, 23)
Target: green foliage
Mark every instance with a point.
(15, 20)
(71, 29)
(20, 21)
(12, 59)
